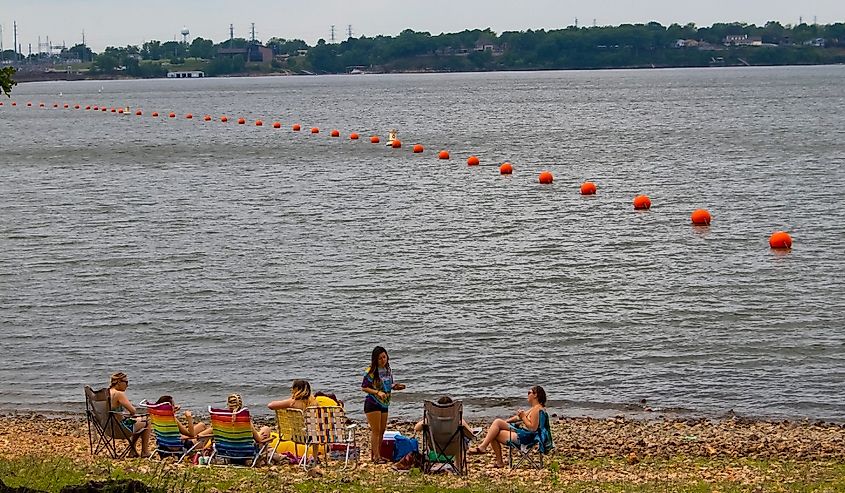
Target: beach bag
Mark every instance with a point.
(410, 461)
(403, 446)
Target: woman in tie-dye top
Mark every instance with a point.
(378, 384)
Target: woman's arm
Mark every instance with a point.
(188, 430)
(531, 419)
(124, 401)
(283, 404)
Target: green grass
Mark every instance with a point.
(675, 475)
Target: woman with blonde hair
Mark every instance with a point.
(235, 403)
(300, 397)
(129, 419)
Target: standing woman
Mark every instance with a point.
(378, 384)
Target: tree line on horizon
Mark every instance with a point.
(626, 45)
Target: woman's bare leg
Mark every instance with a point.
(374, 420)
(497, 451)
(493, 432)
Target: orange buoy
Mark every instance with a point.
(172, 115)
(41, 105)
(588, 188)
(155, 114)
(546, 178)
(224, 118)
(259, 123)
(55, 105)
(418, 148)
(780, 240)
(88, 108)
(241, 121)
(28, 103)
(96, 108)
(374, 139)
(67, 106)
(14, 103)
(396, 144)
(473, 161)
(1, 103)
(189, 116)
(315, 130)
(506, 169)
(277, 124)
(297, 127)
(104, 109)
(354, 136)
(120, 111)
(335, 133)
(443, 155)
(642, 203)
(113, 110)
(138, 113)
(206, 118)
(700, 217)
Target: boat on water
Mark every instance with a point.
(391, 136)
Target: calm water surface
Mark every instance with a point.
(208, 258)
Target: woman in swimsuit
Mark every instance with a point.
(119, 403)
(517, 430)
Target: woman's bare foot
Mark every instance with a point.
(477, 451)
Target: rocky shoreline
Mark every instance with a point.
(576, 438)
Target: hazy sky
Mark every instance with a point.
(118, 22)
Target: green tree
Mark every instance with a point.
(6, 80)
(202, 48)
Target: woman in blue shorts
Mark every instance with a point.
(520, 429)
(378, 384)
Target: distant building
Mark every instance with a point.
(818, 42)
(250, 53)
(188, 74)
(687, 43)
(742, 40)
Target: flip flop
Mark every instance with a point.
(476, 451)
(498, 466)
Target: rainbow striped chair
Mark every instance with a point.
(166, 431)
(233, 439)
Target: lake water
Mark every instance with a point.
(204, 258)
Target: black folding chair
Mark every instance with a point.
(444, 437)
(105, 430)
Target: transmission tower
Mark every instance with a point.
(349, 31)
(333, 33)
(252, 30)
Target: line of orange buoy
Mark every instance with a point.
(779, 240)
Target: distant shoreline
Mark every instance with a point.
(25, 77)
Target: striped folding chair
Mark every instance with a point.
(166, 431)
(233, 440)
(290, 427)
(327, 426)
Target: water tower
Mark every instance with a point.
(185, 34)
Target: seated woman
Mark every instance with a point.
(235, 403)
(520, 429)
(190, 430)
(445, 401)
(119, 403)
(300, 397)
